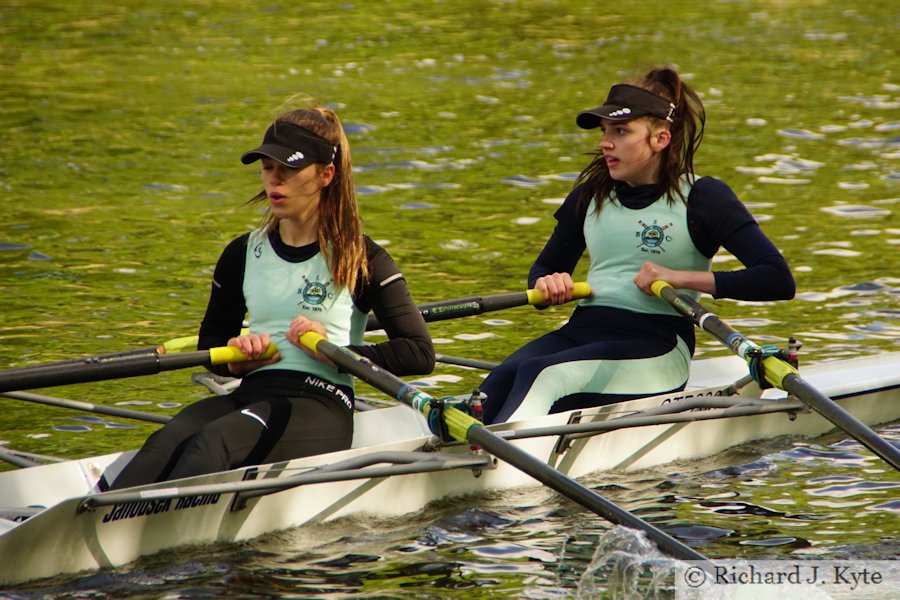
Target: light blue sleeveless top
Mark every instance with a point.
(277, 290)
(621, 239)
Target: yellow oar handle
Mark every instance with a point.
(658, 286)
(311, 340)
(582, 290)
(230, 354)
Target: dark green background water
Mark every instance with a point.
(123, 124)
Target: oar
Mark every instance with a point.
(476, 305)
(464, 428)
(179, 344)
(779, 373)
(459, 361)
(436, 311)
(142, 361)
(16, 460)
(87, 407)
(98, 368)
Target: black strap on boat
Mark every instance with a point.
(755, 359)
(437, 415)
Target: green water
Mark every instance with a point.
(123, 123)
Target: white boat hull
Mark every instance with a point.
(63, 539)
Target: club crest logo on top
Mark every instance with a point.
(652, 237)
(314, 293)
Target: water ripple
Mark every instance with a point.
(7, 246)
(523, 181)
(72, 428)
(852, 489)
(801, 134)
(698, 532)
(803, 453)
(855, 211)
(783, 181)
(739, 508)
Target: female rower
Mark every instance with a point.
(642, 214)
(308, 267)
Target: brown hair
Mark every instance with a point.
(340, 227)
(686, 128)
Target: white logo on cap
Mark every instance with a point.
(620, 112)
(295, 156)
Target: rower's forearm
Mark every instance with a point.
(701, 281)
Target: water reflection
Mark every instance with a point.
(523, 181)
(855, 211)
(801, 134)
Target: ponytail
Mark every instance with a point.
(686, 125)
(340, 231)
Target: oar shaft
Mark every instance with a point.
(705, 320)
(366, 370)
(147, 361)
(16, 460)
(87, 407)
(90, 369)
(476, 305)
(465, 362)
(174, 353)
(100, 358)
(576, 492)
(466, 429)
(115, 367)
(825, 406)
(780, 374)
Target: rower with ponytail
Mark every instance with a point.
(307, 267)
(642, 214)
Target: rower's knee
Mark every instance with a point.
(207, 452)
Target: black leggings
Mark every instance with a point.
(269, 418)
